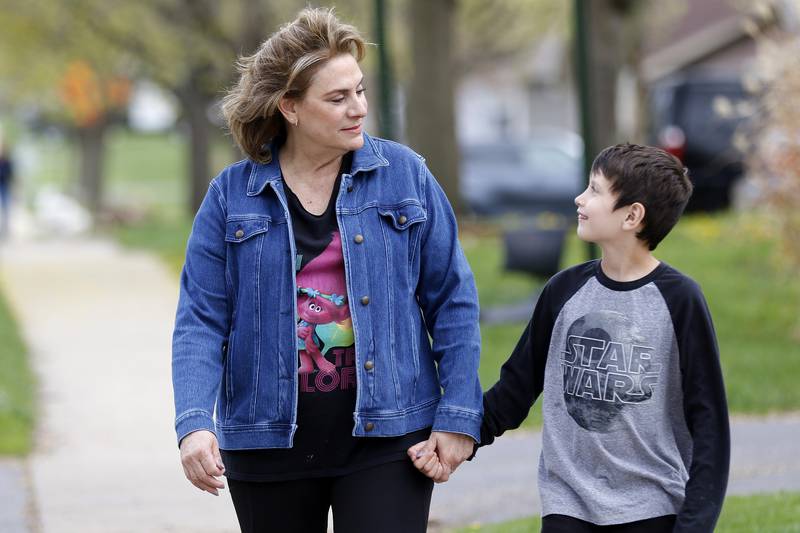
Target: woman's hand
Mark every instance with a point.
(202, 462)
(427, 462)
(452, 448)
(441, 454)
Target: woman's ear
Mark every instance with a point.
(288, 108)
(635, 216)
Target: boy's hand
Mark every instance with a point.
(426, 460)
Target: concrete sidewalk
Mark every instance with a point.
(97, 320)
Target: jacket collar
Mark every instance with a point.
(368, 157)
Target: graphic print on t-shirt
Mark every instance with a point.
(325, 329)
(606, 366)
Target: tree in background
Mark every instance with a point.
(92, 103)
(449, 39)
(187, 47)
(775, 148)
(616, 31)
(76, 84)
(431, 91)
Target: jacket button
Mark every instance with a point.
(239, 234)
(358, 239)
(370, 426)
(365, 300)
(402, 219)
(369, 365)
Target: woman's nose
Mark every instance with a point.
(359, 109)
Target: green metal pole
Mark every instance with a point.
(387, 128)
(584, 82)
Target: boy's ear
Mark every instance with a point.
(635, 216)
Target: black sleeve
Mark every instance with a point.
(705, 409)
(508, 402)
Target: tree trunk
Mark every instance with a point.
(605, 34)
(254, 24)
(195, 105)
(91, 141)
(431, 96)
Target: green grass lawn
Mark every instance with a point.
(764, 513)
(143, 172)
(755, 304)
(16, 388)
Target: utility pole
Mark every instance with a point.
(584, 82)
(387, 125)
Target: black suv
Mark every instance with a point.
(695, 118)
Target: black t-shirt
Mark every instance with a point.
(323, 443)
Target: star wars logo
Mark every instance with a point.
(608, 371)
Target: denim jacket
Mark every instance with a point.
(417, 341)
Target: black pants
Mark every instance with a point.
(393, 497)
(556, 523)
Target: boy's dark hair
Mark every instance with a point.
(650, 176)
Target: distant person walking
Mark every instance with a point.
(6, 175)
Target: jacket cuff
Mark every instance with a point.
(457, 420)
(191, 421)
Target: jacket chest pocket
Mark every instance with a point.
(240, 228)
(401, 226)
(245, 236)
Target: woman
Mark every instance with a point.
(328, 319)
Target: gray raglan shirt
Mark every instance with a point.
(635, 416)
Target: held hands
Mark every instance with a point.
(440, 455)
(202, 462)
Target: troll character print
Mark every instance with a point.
(324, 321)
(324, 324)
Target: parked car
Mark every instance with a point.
(542, 173)
(695, 119)
(537, 178)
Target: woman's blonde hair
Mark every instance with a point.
(283, 66)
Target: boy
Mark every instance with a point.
(635, 434)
